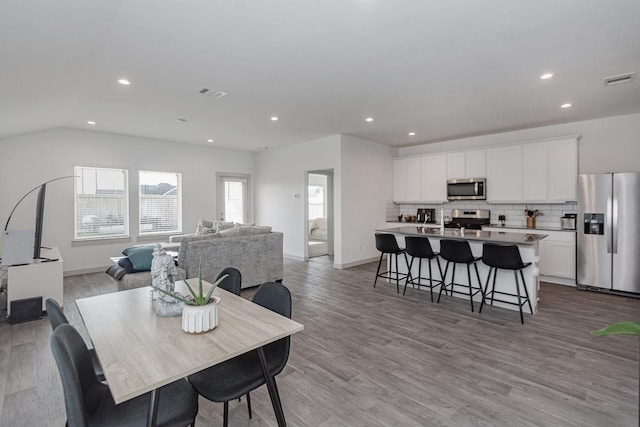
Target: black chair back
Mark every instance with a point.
(506, 257)
(82, 389)
(233, 281)
(276, 297)
(457, 251)
(386, 243)
(55, 314)
(418, 247)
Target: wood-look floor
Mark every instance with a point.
(370, 357)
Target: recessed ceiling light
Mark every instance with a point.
(274, 119)
(546, 76)
(412, 134)
(91, 122)
(124, 82)
(369, 119)
(209, 140)
(566, 105)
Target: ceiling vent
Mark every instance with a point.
(215, 93)
(622, 78)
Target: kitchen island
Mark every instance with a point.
(527, 244)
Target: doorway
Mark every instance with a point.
(320, 213)
(233, 197)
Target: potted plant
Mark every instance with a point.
(200, 312)
(627, 328)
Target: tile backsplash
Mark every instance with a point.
(514, 213)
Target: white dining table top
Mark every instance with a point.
(140, 351)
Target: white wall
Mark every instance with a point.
(28, 160)
(366, 190)
(608, 145)
(280, 174)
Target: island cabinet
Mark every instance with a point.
(557, 254)
(527, 244)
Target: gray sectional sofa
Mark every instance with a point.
(255, 251)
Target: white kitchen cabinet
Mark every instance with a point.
(558, 255)
(434, 179)
(456, 165)
(562, 163)
(504, 174)
(399, 180)
(406, 179)
(475, 164)
(535, 178)
(466, 164)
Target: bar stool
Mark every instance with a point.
(459, 252)
(505, 257)
(419, 247)
(386, 243)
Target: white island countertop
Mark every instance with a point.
(467, 234)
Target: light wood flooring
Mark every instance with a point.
(370, 357)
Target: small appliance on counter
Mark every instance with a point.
(426, 215)
(568, 221)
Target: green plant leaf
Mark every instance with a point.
(176, 297)
(214, 286)
(628, 328)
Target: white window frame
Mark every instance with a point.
(87, 222)
(143, 228)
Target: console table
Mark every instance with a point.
(41, 278)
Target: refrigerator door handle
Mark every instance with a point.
(614, 226)
(609, 223)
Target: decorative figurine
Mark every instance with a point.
(163, 276)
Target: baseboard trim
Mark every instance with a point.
(558, 280)
(101, 269)
(295, 257)
(355, 263)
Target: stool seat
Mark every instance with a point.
(505, 257)
(420, 248)
(386, 243)
(459, 252)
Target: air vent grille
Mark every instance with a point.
(215, 93)
(622, 78)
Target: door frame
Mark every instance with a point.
(220, 203)
(329, 173)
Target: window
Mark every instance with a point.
(160, 202)
(101, 203)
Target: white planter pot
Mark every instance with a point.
(200, 318)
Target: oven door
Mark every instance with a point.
(466, 189)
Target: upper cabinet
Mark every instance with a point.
(466, 164)
(434, 178)
(542, 172)
(504, 174)
(406, 179)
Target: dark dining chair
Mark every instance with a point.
(233, 281)
(56, 318)
(238, 376)
(89, 402)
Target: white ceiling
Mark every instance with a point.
(444, 69)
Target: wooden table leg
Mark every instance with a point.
(273, 391)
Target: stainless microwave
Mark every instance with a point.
(467, 189)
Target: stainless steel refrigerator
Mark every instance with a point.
(608, 227)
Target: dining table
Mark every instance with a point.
(140, 352)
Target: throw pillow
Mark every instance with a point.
(140, 257)
(224, 225)
(203, 223)
(228, 232)
(126, 264)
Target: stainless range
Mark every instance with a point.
(472, 219)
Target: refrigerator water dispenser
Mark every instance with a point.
(594, 223)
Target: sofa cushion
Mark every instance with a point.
(140, 257)
(245, 230)
(210, 227)
(125, 263)
(228, 232)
